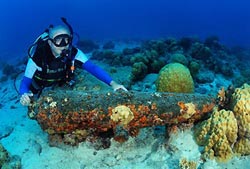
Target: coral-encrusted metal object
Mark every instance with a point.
(77, 115)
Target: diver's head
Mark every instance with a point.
(59, 39)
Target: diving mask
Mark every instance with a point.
(61, 40)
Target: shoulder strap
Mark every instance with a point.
(38, 42)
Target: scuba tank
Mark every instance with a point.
(38, 42)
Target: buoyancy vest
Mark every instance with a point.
(54, 70)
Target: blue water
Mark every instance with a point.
(22, 21)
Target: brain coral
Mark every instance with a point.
(218, 134)
(240, 103)
(175, 77)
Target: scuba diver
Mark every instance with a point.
(53, 62)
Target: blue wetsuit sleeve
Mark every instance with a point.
(25, 85)
(97, 72)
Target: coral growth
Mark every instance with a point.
(187, 110)
(175, 77)
(227, 132)
(145, 62)
(224, 96)
(122, 114)
(179, 58)
(139, 71)
(240, 103)
(7, 161)
(186, 164)
(218, 134)
(200, 51)
(194, 68)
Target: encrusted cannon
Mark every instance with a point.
(76, 115)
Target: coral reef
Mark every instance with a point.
(200, 51)
(130, 51)
(218, 134)
(108, 45)
(224, 97)
(157, 45)
(179, 58)
(108, 56)
(205, 77)
(144, 63)
(175, 77)
(194, 68)
(227, 132)
(139, 71)
(7, 161)
(172, 45)
(213, 42)
(242, 147)
(186, 42)
(87, 45)
(240, 104)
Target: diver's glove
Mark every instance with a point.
(26, 99)
(117, 86)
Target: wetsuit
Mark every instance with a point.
(44, 70)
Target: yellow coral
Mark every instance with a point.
(242, 146)
(240, 103)
(241, 108)
(218, 134)
(185, 164)
(122, 114)
(227, 128)
(188, 110)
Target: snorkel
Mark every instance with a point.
(67, 52)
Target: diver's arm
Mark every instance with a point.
(28, 75)
(26, 82)
(97, 72)
(102, 75)
(25, 85)
(83, 61)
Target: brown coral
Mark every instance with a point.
(224, 96)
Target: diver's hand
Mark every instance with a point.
(25, 99)
(117, 86)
